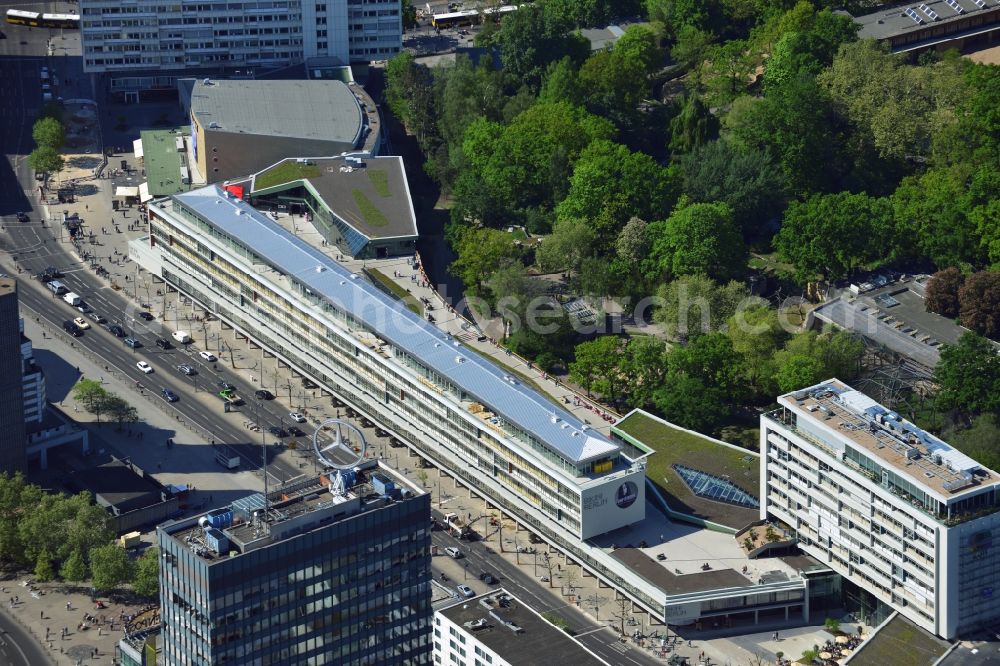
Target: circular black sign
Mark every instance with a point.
(626, 495)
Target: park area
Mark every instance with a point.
(675, 446)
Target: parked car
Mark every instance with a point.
(82, 323)
(296, 432)
(208, 356)
(145, 316)
(96, 317)
(187, 369)
(163, 343)
(277, 431)
(169, 395)
(263, 395)
(132, 342)
(23, 217)
(488, 578)
(465, 591)
(72, 328)
(144, 367)
(298, 417)
(116, 330)
(226, 386)
(84, 308)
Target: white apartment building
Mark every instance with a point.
(499, 629)
(890, 507)
(247, 35)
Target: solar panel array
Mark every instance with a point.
(954, 5)
(914, 15)
(712, 487)
(930, 13)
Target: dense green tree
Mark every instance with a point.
(571, 241)
(616, 81)
(409, 94)
(968, 375)
(809, 358)
(643, 364)
(146, 581)
(832, 234)
(796, 371)
(529, 40)
(976, 136)
(747, 180)
(693, 126)
(691, 46)
(941, 293)
(480, 252)
(711, 358)
(691, 403)
(979, 303)
(110, 567)
(632, 242)
(92, 396)
(121, 411)
(796, 124)
(611, 184)
(895, 106)
(518, 164)
(545, 329)
(808, 52)
(596, 366)
(49, 132)
(674, 15)
(46, 159)
(409, 14)
(728, 72)
(756, 334)
(43, 567)
(932, 214)
(18, 498)
(562, 83)
(698, 238)
(74, 569)
(696, 304)
(980, 440)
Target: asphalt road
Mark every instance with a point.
(17, 646)
(479, 558)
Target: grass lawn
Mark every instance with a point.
(900, 643)
(399, 292)
(288, 170)
(677, 446)
(373, 216)
(380, 181)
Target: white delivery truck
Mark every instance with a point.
(72, 299)
(182, 337)
(227, 460)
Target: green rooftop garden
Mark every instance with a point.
(369, 211)
(673, 445)
(285, 172)
(396, 290)
(900, 643)
(380, 181)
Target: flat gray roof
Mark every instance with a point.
(319, 110)
(374, 199)
(553, 427)
(892, 21)
(538, 642)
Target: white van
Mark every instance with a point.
(455, 553)
(72, 299)
(57, 287)
(182, 337)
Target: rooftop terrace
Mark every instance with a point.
(832, 413)
(251, 523)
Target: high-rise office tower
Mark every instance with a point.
(316, 575)
(12, 430)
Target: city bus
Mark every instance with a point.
(455, 19)
(37, 20)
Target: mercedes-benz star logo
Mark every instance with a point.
(346, 450)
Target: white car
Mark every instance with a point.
(82, 323)
(208, 356)
(145, 367)
(465, 591)
(297, 417)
